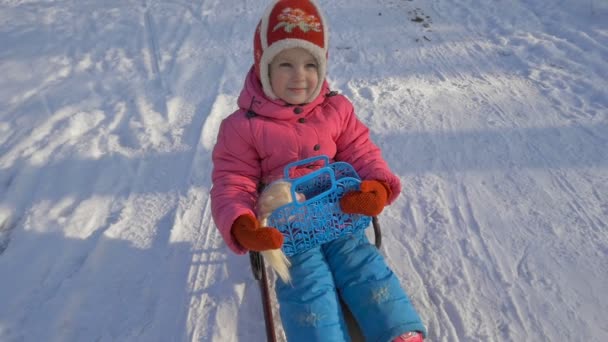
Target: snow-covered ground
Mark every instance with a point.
(493, 113)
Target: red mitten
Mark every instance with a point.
(248, 233)
(369, 200)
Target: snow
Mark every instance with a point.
(493, 113)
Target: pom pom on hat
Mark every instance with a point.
(290, 24)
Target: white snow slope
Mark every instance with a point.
(493, 113)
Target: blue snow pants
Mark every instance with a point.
(310, 307)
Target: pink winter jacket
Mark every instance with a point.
(256, 142)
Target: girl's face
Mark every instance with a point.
(293, 75)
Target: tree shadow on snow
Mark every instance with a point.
(568, 147)
(98, 288)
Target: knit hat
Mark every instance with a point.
(290, 24)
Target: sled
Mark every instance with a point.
(259, 273)
(313, 222)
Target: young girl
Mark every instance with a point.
(287, 113)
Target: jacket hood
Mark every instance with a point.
(253, 99)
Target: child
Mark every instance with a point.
(287, 113)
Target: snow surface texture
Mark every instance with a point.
(493, 113)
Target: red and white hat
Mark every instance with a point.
(290, 24)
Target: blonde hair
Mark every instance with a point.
(275, 195)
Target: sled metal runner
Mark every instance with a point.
(259, 273)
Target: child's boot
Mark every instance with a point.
(412, 336)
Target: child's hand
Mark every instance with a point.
(247, 232)
(370, 200)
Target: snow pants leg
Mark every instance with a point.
(370, 289)
(309, 306)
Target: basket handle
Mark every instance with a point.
(297, 181)
(304, 162)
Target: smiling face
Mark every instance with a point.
(294, 75)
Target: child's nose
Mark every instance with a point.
(300, 72)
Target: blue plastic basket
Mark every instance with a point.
(318, 219)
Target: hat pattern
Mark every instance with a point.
(290, 24)
(291, 18)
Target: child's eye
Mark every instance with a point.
(285, 65)
(311, 65)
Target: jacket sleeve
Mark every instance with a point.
(354, 146)
(235, 176)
